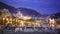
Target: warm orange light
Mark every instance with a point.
(10, 19)
(52, 22)
(7, 19)
(13, 19)
(3, 18)
(8, 22)
(16, 20)
(22, 23)
(26, 17)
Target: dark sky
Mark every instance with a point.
(41, 6)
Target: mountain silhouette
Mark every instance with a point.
(10, 8)
(28, 12)
(56, 15)
(24, 11)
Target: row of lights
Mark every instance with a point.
(22, 22)
(10, 19)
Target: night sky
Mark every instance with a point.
(41, 6)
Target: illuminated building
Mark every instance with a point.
(25, 20)
(52, 22)
(5, 13)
